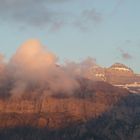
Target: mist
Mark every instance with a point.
(34, 70)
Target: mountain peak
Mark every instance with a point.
(121, 67)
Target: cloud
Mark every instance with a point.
(26, 12)
(125, 55)
(92, 15)
(88, 18)
(45, 13)
(128, 41)
(80, 69)
(33, 70)
(118, 4)
(31, 12)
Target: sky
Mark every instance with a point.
(106, 30)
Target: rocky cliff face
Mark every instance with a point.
(120, 74)
(117, 74)
(96, 111)
(90, 101)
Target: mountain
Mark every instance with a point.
(121, 74)
(89, 101)
(117, 74)
(95, 111)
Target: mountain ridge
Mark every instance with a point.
(116, 74)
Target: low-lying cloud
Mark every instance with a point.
(33, 70)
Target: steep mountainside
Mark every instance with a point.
(96, 111)
(89, 101)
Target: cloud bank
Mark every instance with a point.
(33, 71)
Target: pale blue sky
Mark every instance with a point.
(107, 30)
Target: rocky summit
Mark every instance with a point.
(117, 74)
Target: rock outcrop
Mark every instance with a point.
(117, 74)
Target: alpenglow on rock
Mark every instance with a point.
(117, 74)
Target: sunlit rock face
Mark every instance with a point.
(96, 73)
(90, 101)
(121, 74)
(121, 67)
(97, 110)
(117, 74)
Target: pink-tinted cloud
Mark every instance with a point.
(34, 65)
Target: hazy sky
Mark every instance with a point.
(107, 30)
